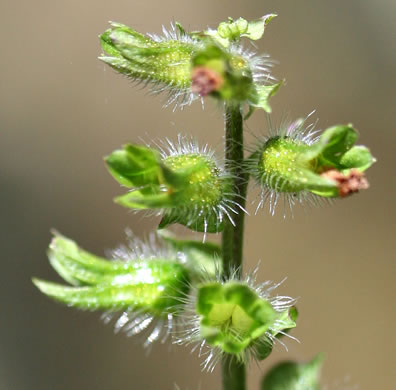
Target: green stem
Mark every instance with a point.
(232, 238)
(234, 374)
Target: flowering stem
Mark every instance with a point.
(232, 238)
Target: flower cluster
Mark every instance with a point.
(193, 65)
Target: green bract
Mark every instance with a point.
(152, 286)
(237, 320)
(294, 376)
(185, 186)
(294, 162)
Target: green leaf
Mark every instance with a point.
(134, 166)
(294, 376)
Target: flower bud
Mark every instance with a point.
(294, 163)
(233, 30)
(184, 184)
(236, 318)
(144, 286)
(162, 61)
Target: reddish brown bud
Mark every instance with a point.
(205, 80)
(347, 184)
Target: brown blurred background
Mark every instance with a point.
(61, 111)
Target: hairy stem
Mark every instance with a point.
(232, 239)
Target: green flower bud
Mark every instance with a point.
(162, 61)
(294, 376)
(236, 318)
(141, 283)
(232, 31)
(184, 184)
(295, 163)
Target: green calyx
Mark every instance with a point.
(289, 164)
(142, 58)
(294, 376)
(152, 286)
(234, 318)
(186, 187)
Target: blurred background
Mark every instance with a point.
(61, 111)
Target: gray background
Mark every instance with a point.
(61, 111)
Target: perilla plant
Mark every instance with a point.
(193, 292)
